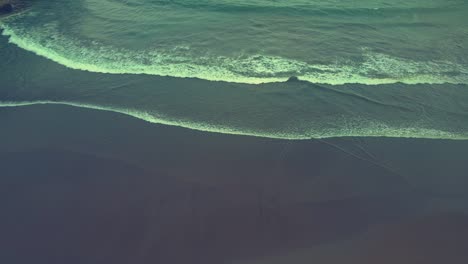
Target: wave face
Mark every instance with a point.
(328, 42)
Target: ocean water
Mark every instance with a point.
(361, 68)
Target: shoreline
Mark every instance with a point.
(158, 119)
(267, 198)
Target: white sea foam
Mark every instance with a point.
(374, 69)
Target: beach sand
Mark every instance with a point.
(86, 186)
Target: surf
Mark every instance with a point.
(168, 52)
(253, 69)
(249, 85)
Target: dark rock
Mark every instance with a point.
(6, 8)
(293, 79)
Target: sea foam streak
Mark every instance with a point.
(364, 128)
(374, 69)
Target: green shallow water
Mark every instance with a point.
(368, 68)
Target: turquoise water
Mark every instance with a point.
(366, 68)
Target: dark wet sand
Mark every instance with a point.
(85, 186)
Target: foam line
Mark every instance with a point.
(365, 129)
